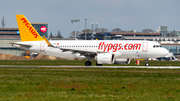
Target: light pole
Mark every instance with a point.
(85, 27)
(92, 26)
(75, 20)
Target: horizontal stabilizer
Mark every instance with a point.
(21, 44)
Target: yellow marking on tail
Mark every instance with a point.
(48, 43)
(27, 31)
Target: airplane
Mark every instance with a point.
(102, 51)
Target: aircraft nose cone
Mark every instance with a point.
(165, 52)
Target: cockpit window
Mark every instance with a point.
(156, 46)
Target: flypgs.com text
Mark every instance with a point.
(114, 47)
(31, 29)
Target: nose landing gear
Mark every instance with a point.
(146, 63)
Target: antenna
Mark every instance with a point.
(3, 22)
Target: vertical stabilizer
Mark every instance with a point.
(27, 31)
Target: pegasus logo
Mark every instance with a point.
(31, 29)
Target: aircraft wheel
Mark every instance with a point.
(146, 64)
(88, 63)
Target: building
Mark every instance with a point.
(117, 36)
(7, 36)
(99, 36)
(176, 33)
(6, 47)
(163, 31)
(9, 33)
(41, 28)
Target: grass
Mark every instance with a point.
(82, 63)
(89, 84)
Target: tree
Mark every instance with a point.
(102, 30)
(147, 30)
(130, 31)
(72, 35)
(116, 30)
(51, 36)
(59, 35)
(87, 31)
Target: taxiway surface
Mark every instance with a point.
(153, 67)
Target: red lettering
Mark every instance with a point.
(119, 46)
(27, 25)
(99, 46)
(125, 46)
(105, 46)
(115, 47)
(34, 33)
(130, 46)
(136, 46)
(110, 46)
(31, 29)
(24, 20)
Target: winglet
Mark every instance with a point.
(48, 43)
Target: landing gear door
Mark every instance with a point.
(42, 47)
(145, 47)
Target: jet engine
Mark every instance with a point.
(122, 61)
(105, 58)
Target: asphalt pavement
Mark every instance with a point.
(151, 67)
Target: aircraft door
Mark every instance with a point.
(145, 47)
(42, 47)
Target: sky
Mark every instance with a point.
(110, 14)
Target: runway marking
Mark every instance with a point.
(150, 67)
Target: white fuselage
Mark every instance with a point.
(121, 48)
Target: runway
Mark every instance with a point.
(150, 67)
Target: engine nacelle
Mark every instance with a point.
(79, 56)
(122, 61)
(105, 58)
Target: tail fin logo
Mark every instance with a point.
(31, 30)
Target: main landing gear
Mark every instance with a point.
(146, 63)
(88, 63)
